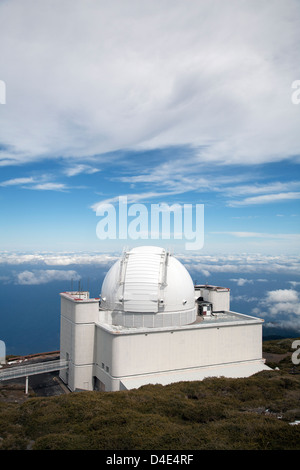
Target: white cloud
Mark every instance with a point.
(281, 296)
(41, 183)
(241, 281)
(76, 169)
(281, 306)
(285, 308)
(275, 187)
(179, 178)
(131, 198)
(205, 272)
(243, 298)
(207, 264)
(81, 258)
(49, 187)
(265, 199)
(242, 263)
(45, 276)
(287, 236)
(17, 181)
(134, 74)
(263, 193)
(194, 176)
(56, 259)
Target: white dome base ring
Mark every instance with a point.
(158, 320)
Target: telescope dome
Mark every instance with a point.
(148, 287)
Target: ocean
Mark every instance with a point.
(30, 311)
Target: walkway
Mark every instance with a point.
(15, 372)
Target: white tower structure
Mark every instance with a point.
(152, 325)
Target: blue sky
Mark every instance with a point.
(156, 101)
(50, 206)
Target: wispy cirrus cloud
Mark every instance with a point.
(261, 193)
(49, 187)
(238, 188)
(77, 169)
(265, 199)
(17, 182)
(262, 188)
(147, 196)
(40, 183)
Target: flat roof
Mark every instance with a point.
(79, 296)
(210, 287)
(222, 318)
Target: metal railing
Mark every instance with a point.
(33, 369)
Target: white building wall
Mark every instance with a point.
(103, 349)
(107, 382)
(96, 350)
(153, 352)
(219, 298)
(82, 377)
(77, 339)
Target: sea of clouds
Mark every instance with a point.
(252, 277)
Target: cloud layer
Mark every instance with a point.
(87, 78)
(242, 263)
(207, 264)
(55, 259)
(45, 276)
(281, 308)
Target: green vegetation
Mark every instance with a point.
(279, 346)
(216, 414)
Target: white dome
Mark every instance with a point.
(148, 287)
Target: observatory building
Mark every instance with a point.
(152, 325)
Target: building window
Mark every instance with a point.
(102, 365)
(107, 369)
